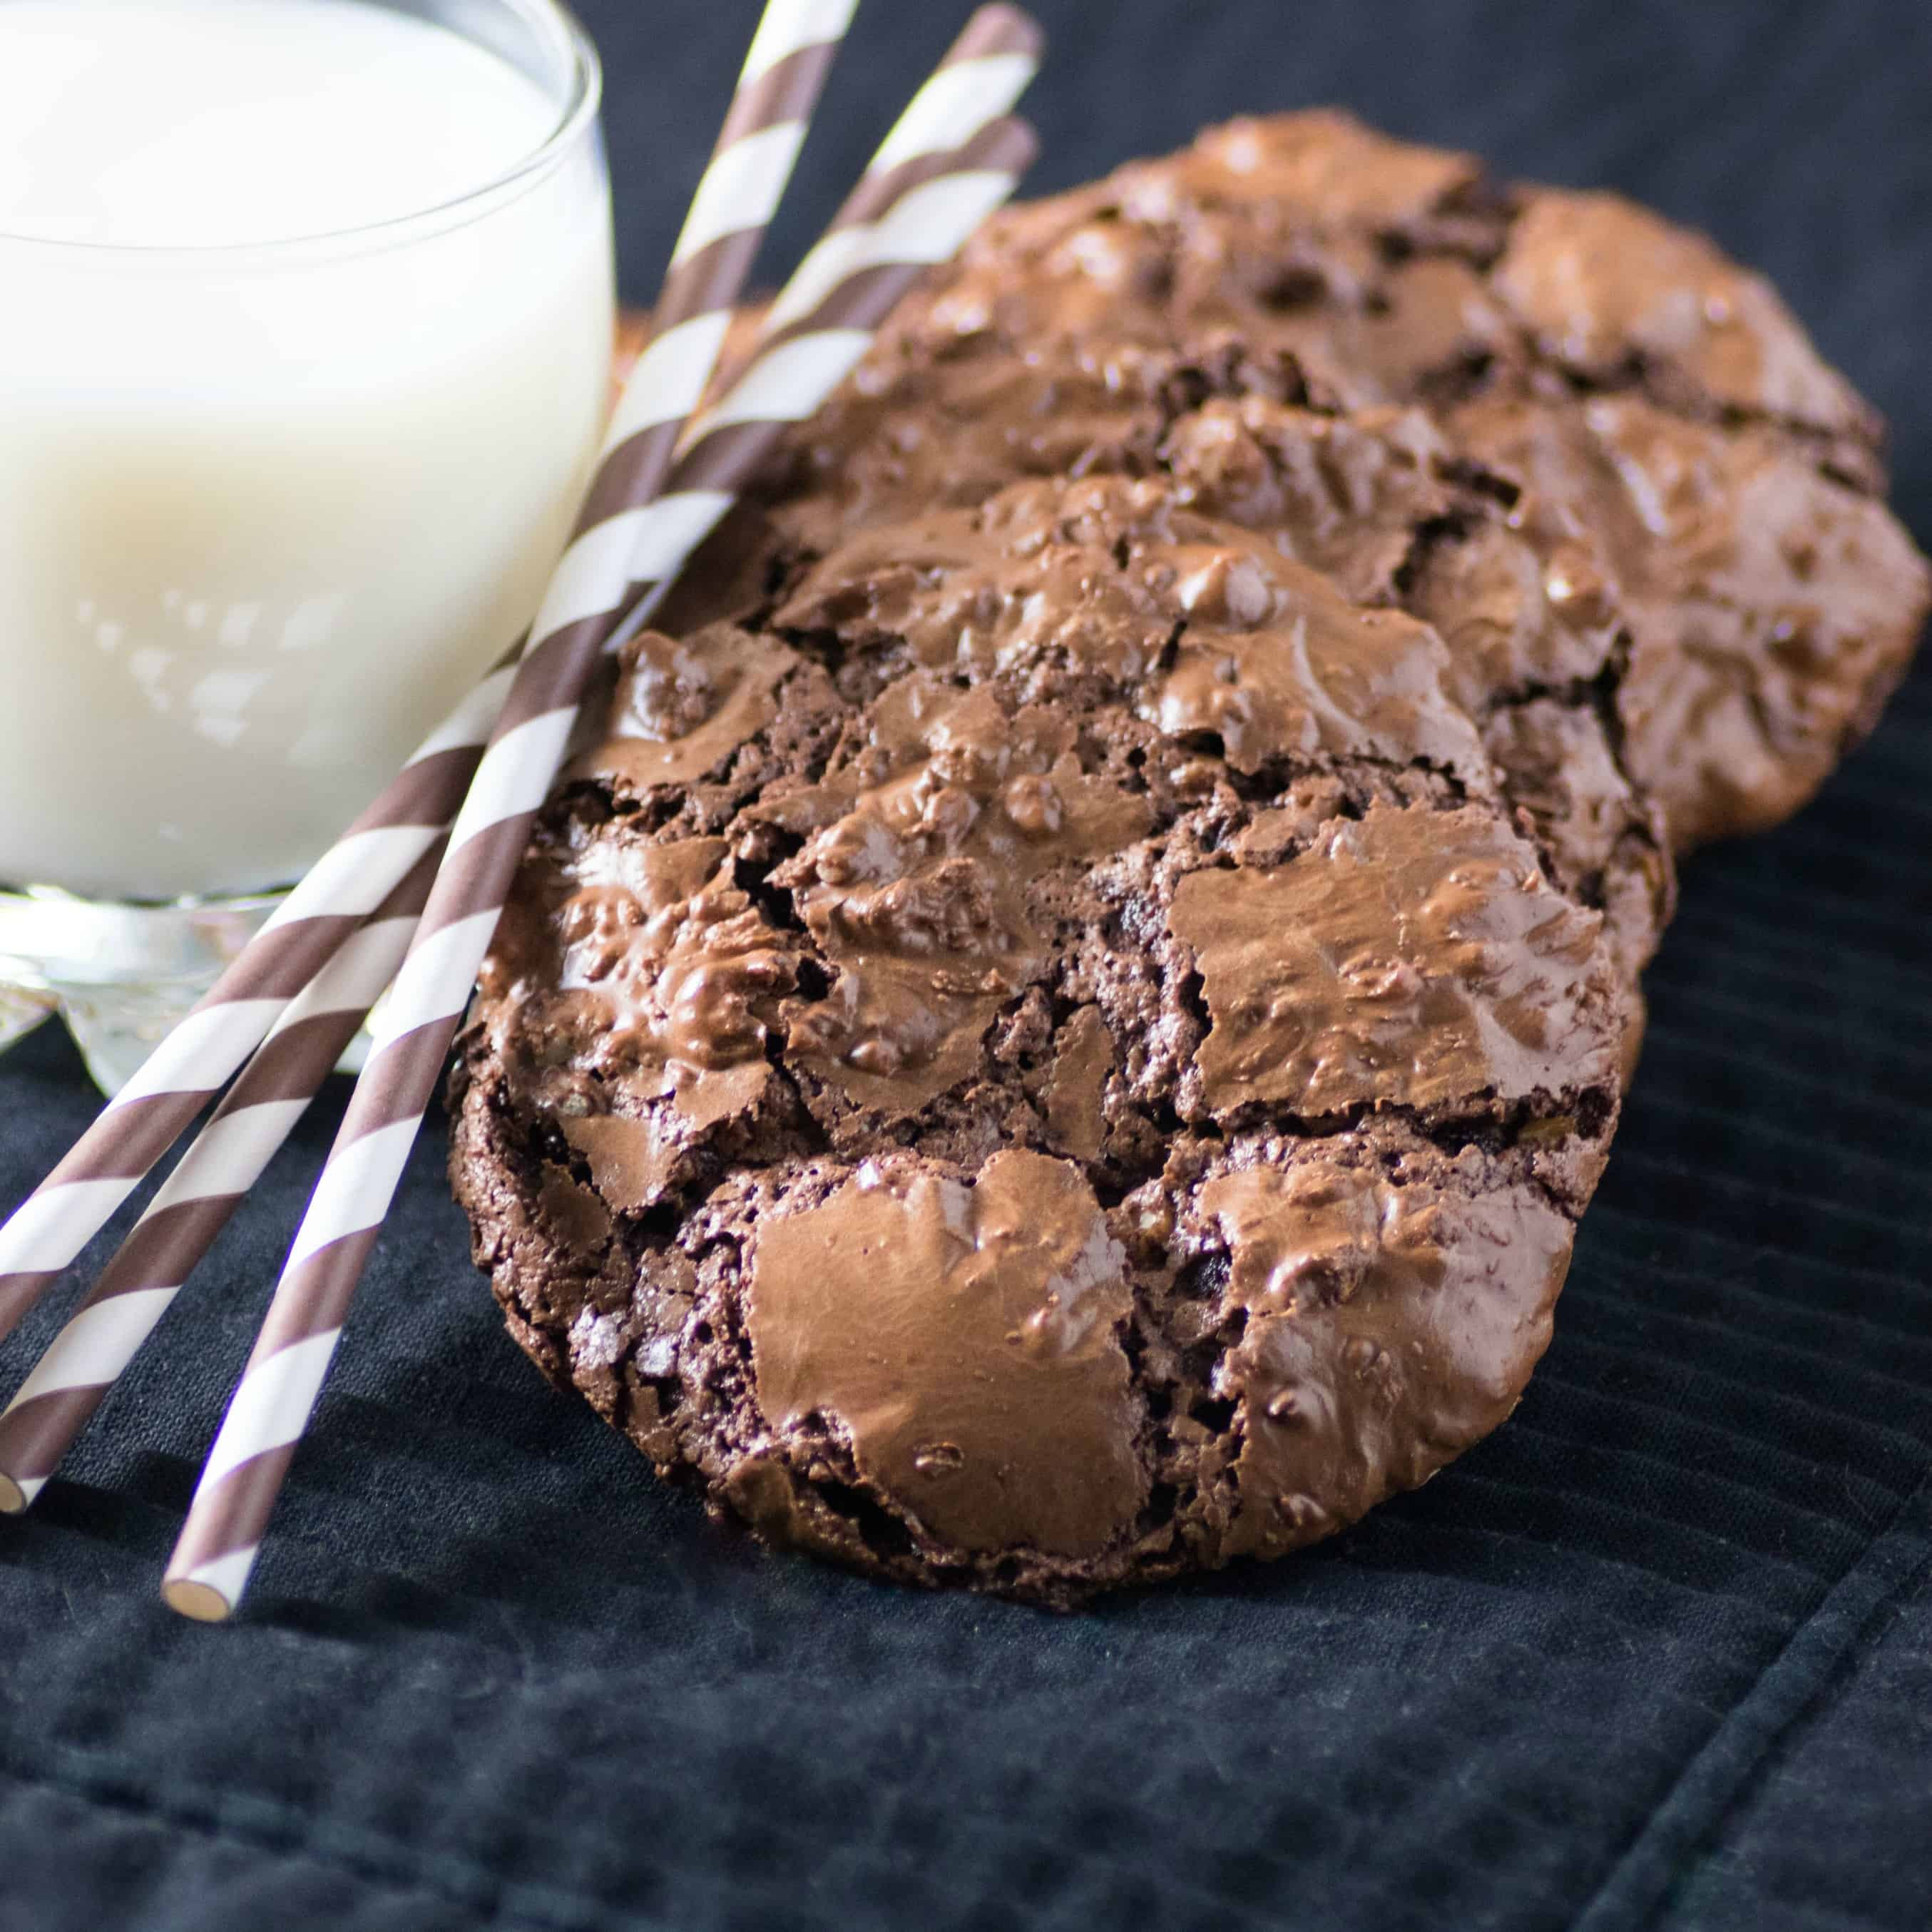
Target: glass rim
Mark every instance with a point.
(580, 110)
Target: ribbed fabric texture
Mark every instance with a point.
(1659, 1655)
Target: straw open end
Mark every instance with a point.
(206, 1605)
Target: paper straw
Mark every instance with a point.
(787, 379)
(196, 1061)
(194, 1204)
(783, 74)
(983, 74)
(1000, 49)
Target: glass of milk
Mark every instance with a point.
(306, 313)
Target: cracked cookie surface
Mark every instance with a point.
(1649, 451)
(1061, 1034)
(1048, 1063)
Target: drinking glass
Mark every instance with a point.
(266, 511)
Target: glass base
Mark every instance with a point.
(120, 976)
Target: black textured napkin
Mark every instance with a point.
(1659, 1654)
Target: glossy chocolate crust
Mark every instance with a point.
(1042, 1058)
(1061, 1034)
(1652, 502)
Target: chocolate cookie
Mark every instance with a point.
(1691, 492)
(1046, 1060)
(1062, 1034)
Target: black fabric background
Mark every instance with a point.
(1658, 1654)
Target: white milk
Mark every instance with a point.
(266, 511)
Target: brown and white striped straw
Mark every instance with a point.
(194, 1204)
(995, 57)
(777, 88)
(783, 72)
(983, 73)
(197, 1059)
(786, 381)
